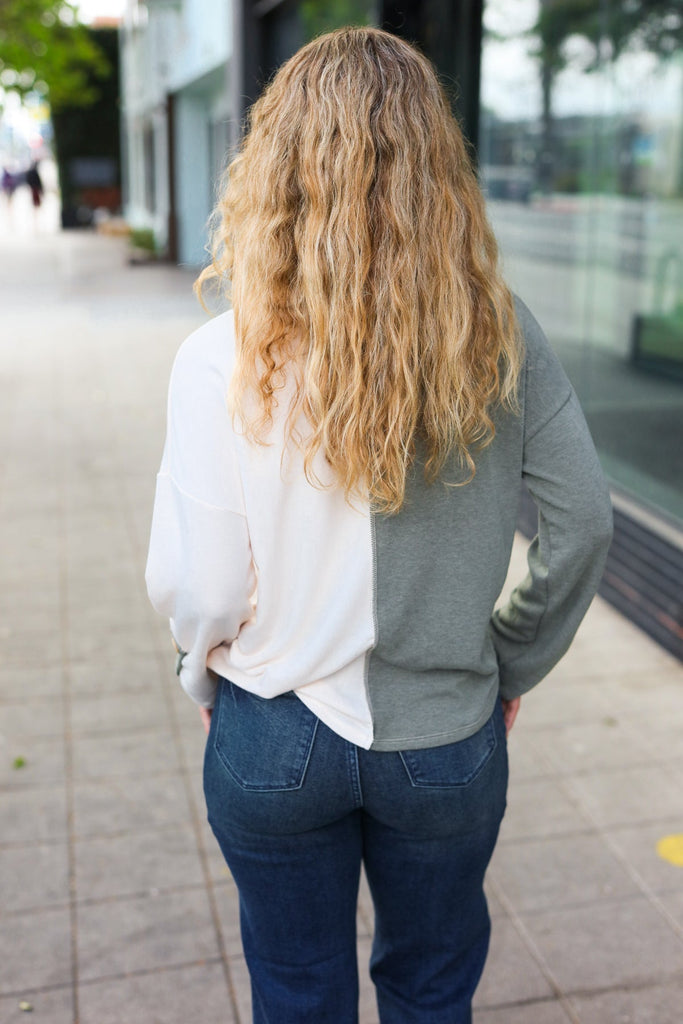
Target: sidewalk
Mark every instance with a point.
(116, 906)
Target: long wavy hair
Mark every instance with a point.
(352, 238)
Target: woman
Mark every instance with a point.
(333, 523)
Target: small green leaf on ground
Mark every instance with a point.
(19, 762)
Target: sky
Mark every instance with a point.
(100, 8)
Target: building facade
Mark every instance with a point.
(575, 114)
(175, 60)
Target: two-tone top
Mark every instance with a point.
(384, 626)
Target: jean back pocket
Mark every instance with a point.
(264, 743)
(454, 764)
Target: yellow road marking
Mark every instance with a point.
(671, 848)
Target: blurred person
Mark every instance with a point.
(9, 183)
(333, 522)
(34, 182)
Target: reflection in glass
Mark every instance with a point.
(581, 157)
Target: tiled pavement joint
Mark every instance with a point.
(633, 873)
(535, 952)
(58, 463)
(596, 826)
(199, 838)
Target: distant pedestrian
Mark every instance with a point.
(34, 182)
(9, 183)
(334, 518)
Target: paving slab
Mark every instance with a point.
(111, 644)
(104, 712)
(31, 760)
(560, 871)
(512, 973)
(33, 877)
(21, 624)
(49, 1006)
(22, 649)
(135, 754)
(178, 996)
(637, 846)
(525, 759)
(32, 813)
(367, 1002)
(122, 936)
(564, 700)
(22, 681)
(528, 1013)
(218, 869)
(193, 742)
(365, 909)
(496, 908)
(659, 1004)
(137, 862)
(664, 716)
(632, 794)
(624, 649)
(128, 677)
(35, 950)
(32, 716)
(113, 805)
(242, 988)
(671, 904)
(606, 945)
(609, 741)
(227, 904)
(540, 807)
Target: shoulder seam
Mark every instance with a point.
(198, 501)
(551, 417)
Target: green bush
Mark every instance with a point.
(143, 238)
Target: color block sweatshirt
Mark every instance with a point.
(384, 626)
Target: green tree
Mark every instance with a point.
(43, 47)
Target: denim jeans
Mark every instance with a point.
(296, 809)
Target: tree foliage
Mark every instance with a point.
(652, 25)
(43, 47)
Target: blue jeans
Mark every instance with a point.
(296, 809)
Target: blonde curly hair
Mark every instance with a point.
(352, 238)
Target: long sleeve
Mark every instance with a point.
(199, 567)
(567, 557)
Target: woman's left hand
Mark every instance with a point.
(205, 715)
(510, 709)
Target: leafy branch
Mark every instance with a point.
(44, 47)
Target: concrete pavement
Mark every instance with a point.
(116, 906)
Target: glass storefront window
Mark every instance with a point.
(581, 158)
